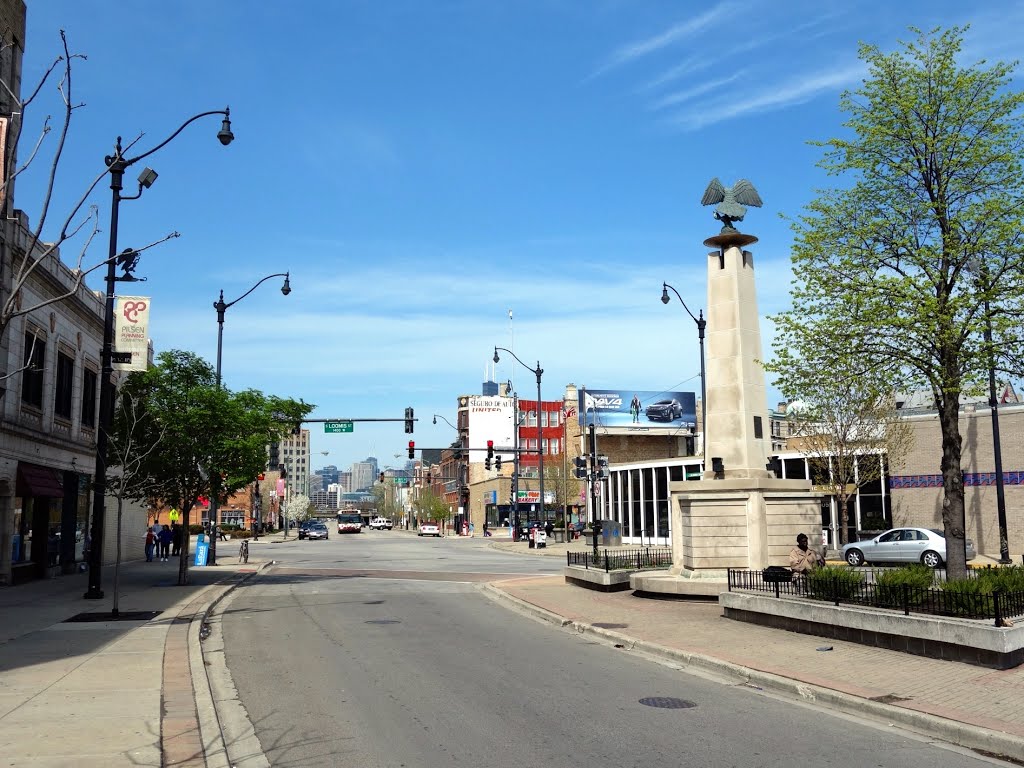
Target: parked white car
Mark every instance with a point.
(429, 528)
(381, 524)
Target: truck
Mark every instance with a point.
(381, 524)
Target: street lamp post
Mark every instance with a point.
(538, 372)
(701, 325)
(221, 306)
(117, 164)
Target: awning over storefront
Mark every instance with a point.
(34, 480)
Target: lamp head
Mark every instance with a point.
(224, 135)
(435, 419)
(286, 288)
(664, 293)
(496, 358)
(147, 177)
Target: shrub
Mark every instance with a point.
(241, 533)
(874, 523)
(194, 528)
(830, 582)
(889, 584)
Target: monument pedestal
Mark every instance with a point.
(732, 523)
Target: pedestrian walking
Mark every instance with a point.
(150, 544)
(164, 539)
(175, 539)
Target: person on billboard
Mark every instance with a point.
(634, 408)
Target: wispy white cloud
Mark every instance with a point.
(771, 97)
(680, 97)
(674, 34)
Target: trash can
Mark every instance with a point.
(611, 533)
(531, 533)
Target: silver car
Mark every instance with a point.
(903, 546)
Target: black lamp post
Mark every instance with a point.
(701, 325)
(538, 372)
(221, 308)
(993, 404)
(117, 164)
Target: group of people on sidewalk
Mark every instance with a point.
(163, 542)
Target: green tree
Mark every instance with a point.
(430, 506)
(198, 439)
(894, 271)
(562, 482)
(849, 431)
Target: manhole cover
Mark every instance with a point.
(121, 616)
(374, 602)
(667, 702)
(383, 621)
(609, 625)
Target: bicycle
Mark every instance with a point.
(243, 551)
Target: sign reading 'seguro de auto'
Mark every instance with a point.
(490, 418)
(131, 333)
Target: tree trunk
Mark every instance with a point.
(186, 540)
(953, 512)
(843, 501)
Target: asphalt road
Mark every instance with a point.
(380, 650)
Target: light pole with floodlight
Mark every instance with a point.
(117, 164)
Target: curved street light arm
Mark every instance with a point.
(538, 371)
(217, 305)
(665, 300)
(439, 416)
(226, 127)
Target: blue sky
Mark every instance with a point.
(422, 168)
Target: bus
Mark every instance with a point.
(350, 521)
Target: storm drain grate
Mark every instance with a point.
(609, 625)
(383, 621)
(108, 616)
(666, 702)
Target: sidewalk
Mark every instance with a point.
(109, 693)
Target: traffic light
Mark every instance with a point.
(497, 463)
(409, 423)
(261, 477)
(581, 467)
(602, 466)
(490, 454)
(382, 477)
(412, 449)
(297, 429)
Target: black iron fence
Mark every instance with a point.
(850, 588)
(623, 559)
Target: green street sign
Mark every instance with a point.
(332, 427)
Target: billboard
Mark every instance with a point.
(491, 418)
(669, 411)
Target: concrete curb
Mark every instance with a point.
(963, 735)
(204, 641)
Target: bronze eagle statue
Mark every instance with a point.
(730, 201)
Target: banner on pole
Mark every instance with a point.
(131, 333)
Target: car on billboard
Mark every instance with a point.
(664, 410)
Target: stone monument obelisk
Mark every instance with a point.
(738, 515)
